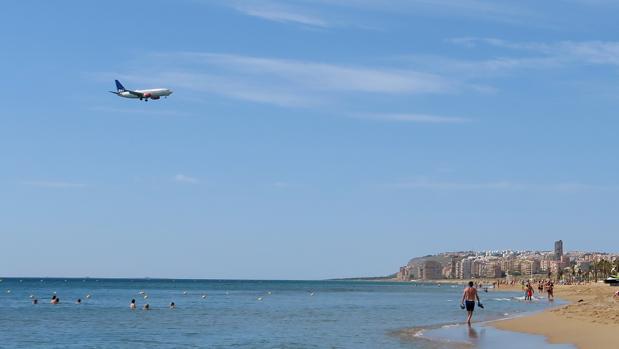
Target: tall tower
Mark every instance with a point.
(558, 249)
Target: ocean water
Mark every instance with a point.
(241, 314)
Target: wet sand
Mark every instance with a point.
(590, 321)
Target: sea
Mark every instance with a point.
(253, 314)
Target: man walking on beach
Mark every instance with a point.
(468, 300)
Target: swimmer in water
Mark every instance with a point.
(146, 307)
(172, 305)
(35, 301)
(78, 301)
(55, 300)
(132, 305)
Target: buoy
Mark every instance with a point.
(8, 291)
(184, 292)
(259, 298)
(88, 296)
(203, 296)
(269, 292)
(31, 296)
(145, 296)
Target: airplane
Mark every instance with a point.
(154, 93)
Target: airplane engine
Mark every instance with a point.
(155, 97)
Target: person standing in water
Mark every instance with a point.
(468, 301)
(550, 290)
(132, 305)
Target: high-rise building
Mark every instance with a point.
(558, 249)
(430, 270)
(463, 269)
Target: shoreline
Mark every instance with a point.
(448, 332)
(588, 321)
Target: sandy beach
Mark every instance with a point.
(589, 321)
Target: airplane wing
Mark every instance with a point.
(135, 93)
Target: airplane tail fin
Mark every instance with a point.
(119, 86)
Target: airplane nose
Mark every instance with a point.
(170, 91)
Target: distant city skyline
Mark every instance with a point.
(304, 139)
(494, 264)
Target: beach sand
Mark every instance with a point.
(589, 321)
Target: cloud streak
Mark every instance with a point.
(563, 52)
(279, 13)
(181, 178)
(414, 118)
(54, 184)
(566, 187)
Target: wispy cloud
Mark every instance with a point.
(278, 12)
(565, 187)
(441, 185)
(562, 52)
(181, 178)
(495, 11)
(314, 12)
(325, 76)
(138, 111)
(54, 184)
(414, 118)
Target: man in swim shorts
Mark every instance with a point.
(468, 300)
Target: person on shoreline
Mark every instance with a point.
(528, 292)
(550, 290)
(132, 305)
(468, 301)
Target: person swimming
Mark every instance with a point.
(172, 305)
(78, 301)
(146, 307)
(132, 305)
(55, 300)
(35, 301)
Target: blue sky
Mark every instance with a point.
(306, 139)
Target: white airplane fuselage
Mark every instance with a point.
(153, 93)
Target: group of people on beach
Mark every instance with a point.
(470, 295)
(542, 285)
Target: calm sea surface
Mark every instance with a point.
(235, 314)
